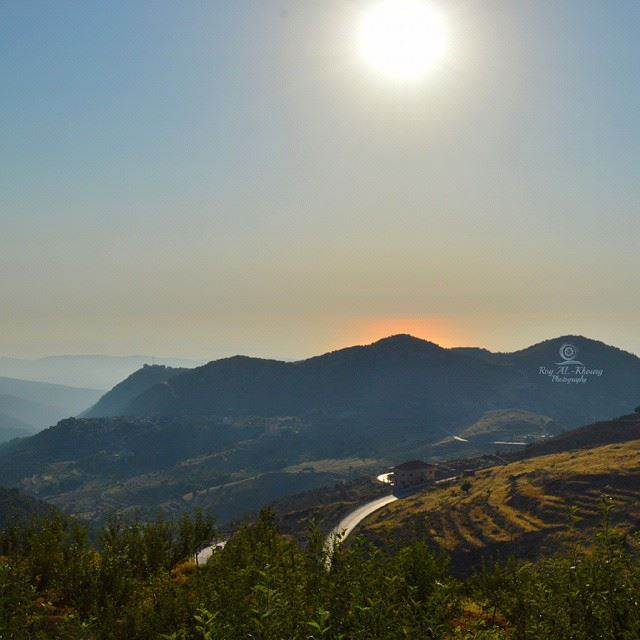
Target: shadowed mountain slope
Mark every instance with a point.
(98, 466)
(404, 381)
(114, 402)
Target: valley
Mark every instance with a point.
(239, 433)
(28, 406)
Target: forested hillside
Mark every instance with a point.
(16, 507)
(412, 387)
(95, 467)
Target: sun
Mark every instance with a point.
(402, 39)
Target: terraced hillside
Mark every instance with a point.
(499, 425)
(524, 508)
(597, 434)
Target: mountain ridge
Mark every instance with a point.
(355, 380)
(139, 381)
(96, 371)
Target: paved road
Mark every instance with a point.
(353, 519)
(345, 527)
(207, 552)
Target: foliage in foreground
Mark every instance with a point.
(55, 584)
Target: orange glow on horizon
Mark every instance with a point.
(445, 332)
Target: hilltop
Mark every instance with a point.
(495, 427)
(612, 431)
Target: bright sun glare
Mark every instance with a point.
(403, 39)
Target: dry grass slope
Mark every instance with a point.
(522, 507)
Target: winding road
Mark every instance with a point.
(343, 528)
(203, 555)
(353, 519)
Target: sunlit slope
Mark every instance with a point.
(620, 429)
(502, 425)
(522, 507)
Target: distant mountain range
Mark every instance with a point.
(93, 371)
(12, 427)
(401, 383)
(27, 407)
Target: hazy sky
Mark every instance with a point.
(207, 178)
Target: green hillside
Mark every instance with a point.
(138, 582)
(99, 466)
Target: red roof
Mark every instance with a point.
(412, 465)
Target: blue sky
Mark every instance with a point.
(201, 179)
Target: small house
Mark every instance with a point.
(413, 473)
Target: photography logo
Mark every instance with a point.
(569, 370)
(568, 353)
